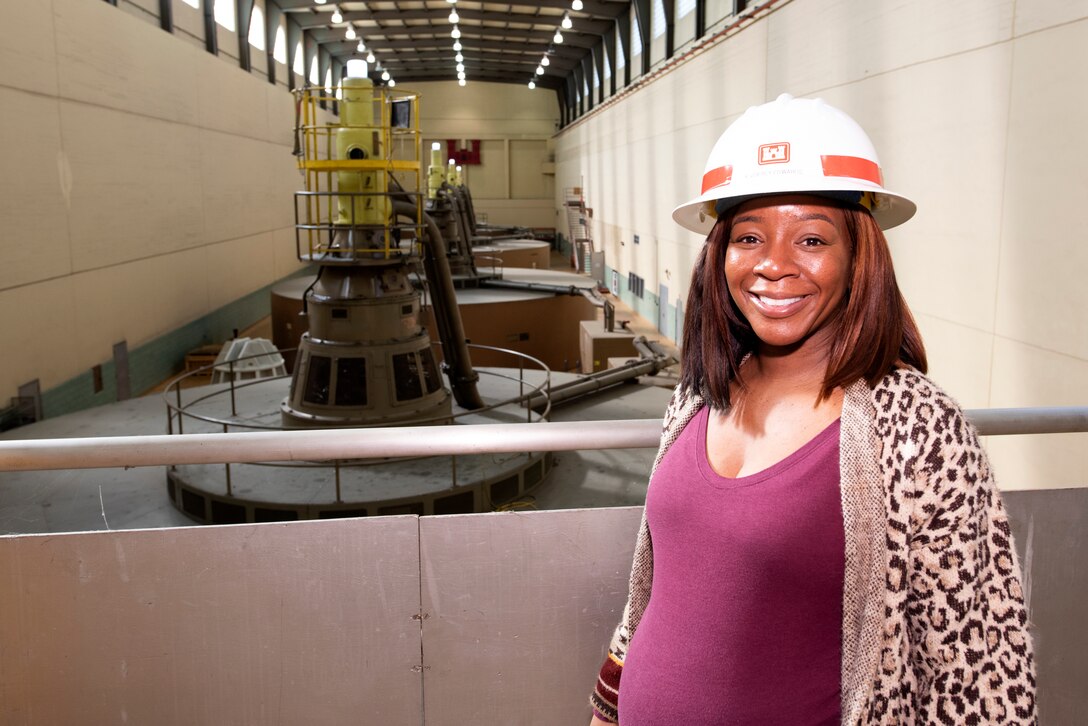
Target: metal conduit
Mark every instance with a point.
(330, 444)
(447, 316)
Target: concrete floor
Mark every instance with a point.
(96, 499)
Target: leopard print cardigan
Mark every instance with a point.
(934, 628)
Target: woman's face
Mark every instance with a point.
(788, 265)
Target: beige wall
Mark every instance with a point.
(977, 109)
(514, 183)
(146, 183)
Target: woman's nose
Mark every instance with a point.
(774, 263)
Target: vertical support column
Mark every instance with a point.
(700, 19)
(506, 154)
(642, 15)
(623, 25)
(166, 15)
(294, 36)
(579, 87)
(670, 27)
(244, 9)
(272, 15)
(211, 33)
(598, 62)
(587, 71)
(610, 50)
(323, 61)
(339, 71)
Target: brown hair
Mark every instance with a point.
(876, 331)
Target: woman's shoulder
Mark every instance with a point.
(683, 404)
(923, 422)
(906, 391)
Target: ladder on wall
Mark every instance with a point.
(578, 224)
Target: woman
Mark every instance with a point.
(823, 540)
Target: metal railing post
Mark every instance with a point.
(233, 406)
(181, 414)
(227, 467)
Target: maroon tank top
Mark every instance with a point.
(744, 623)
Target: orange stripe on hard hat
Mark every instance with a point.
(715, 177)
(852, 166)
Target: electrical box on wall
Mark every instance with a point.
(636, 239)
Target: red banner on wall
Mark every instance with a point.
(463, 156)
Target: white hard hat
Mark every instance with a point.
(792, 145)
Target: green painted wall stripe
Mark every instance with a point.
(155, 361)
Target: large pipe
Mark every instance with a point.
(588, 293)
(333, 444)
(538, 287)
(653, 360)
(594, 382)
(447, 316)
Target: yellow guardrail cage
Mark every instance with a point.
(354, 168)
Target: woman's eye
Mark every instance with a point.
(745, 239)
(812, 242)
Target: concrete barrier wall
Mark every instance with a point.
(472, 619)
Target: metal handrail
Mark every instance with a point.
(178, 411)
(332, 444)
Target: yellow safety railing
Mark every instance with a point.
(327, 211)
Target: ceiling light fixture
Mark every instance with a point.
(558, 38)
(457, 45)
(576, 5)
(392, 83)
(544, 61)
(370, 57)
(532, 85)
(336, 16)
(350, 33)
(320, 2)
(461, 82)
(460, 75)
(459, 58)
(454, 17)
(461, 67)
(456, 32)
(539, 70)
(385, 75)
(361, 48)
(567, 24)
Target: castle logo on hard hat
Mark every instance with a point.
(774, 153)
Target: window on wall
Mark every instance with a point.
(279, 49)
(684, 8)
(596, 78)
(607, 68)
(620, 61)
(299, 66)
(328, 80)
(313, 71)
(192, 3)
(636, 39)
(256, 28)
(657, 25)
(224, 14)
